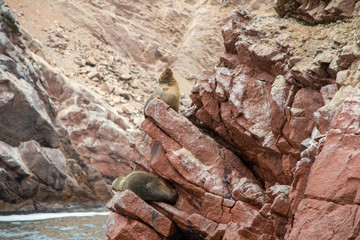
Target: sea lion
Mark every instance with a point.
(167, 90)
(146, 186)
(229, 1)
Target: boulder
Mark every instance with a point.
(124, 228)
(129, 204)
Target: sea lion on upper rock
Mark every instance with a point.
(146, 186)
(225, 1)
(167, 90)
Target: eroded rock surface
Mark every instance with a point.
(215, 188)
(269, 149)
(317, 11)
(283, 107)
(268, 95)
(332, 186)
(39, 166)
(100, 135)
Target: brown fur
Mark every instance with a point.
(167, 90)
(146, 186)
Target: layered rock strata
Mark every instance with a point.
(317, 11)
(283, 107)
(268, 96)
(41, 151)
(215, 188)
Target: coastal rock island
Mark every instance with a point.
(265, 145)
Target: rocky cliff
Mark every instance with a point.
(269, 148)
(112, 51)
(65, 60)
(39, 166)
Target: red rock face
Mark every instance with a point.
(129, 204)
(317, 11)
(272, 146)
(97, 131)
(123, 228)
(331, 196)
(39, 166)
(215, 188)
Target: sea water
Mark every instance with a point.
(76, 223)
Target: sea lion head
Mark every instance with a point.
(166, 76)
(117, 184)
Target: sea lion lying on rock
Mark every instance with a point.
(146, 186)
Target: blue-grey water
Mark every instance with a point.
(77, 223)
